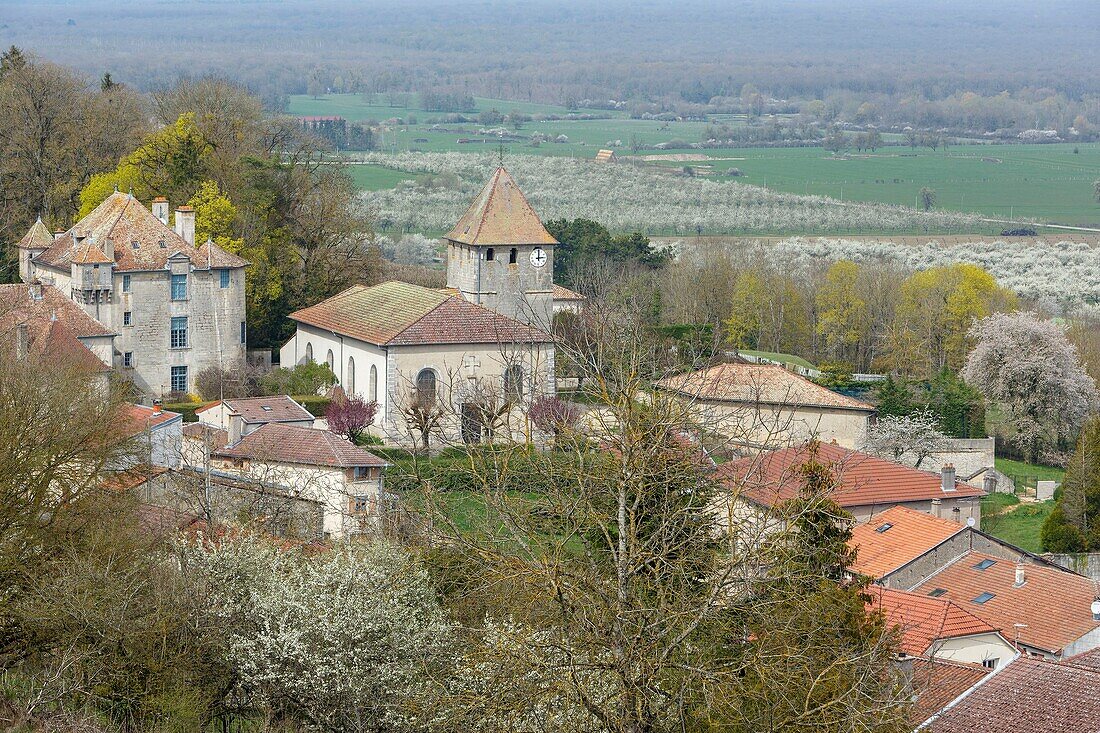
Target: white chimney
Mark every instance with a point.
(937, 508)
(185, 223)
(158, 407)
(1021, 578)
(947, 477)
(160, 209)
(236, 428)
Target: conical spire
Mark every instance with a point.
(500, 215)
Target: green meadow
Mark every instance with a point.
(1047, 183)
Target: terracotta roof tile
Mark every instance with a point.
(863, 480)
(1053, 603)
(758, 383)
(401, 313)
(937, 682)
(17, 305)
(922, 620)
(89, 253)
(140, 241)
(37, 237)
(563, 293)
(500, 215)
(1030, 694)
(279, 408)
(214, 257)
(135, 419)
(131, 478)
(882, 549)
(218, 437)
(1086, 659)
(278, 443)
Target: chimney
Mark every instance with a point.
(157, 407)
(22, 341)
(36, 290)
(989, 482)
(58, 234)
(947, 477)
(236, 427)
(937, 508)
(160, 209)
(185, 224)
(1021, 578)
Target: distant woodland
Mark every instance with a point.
(985, 65)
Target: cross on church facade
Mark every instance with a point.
(471, 363)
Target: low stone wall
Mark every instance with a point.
(1085, 563)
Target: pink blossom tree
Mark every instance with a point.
(350, 417)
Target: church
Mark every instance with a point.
(459, 362)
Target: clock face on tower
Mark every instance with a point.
(538, 257)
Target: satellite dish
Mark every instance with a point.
(970, 521)
(1096, 607)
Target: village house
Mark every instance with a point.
(173, 308)
(935, 628)
(764, 406)
(239, 416)
(758, 485)
(1029, 694)
(1040, 607)
(312, 464)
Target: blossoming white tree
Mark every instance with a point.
(1027, 365)
(341, 639)
(901, 438)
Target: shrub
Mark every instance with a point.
(1058, 535)
(215, 383)
(305, 379)
(350, 417)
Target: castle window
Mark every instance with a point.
(490, 255)
(125, 283)
(128, 359)
(179, 379)
(128, 318)
(513, 254)
(244, 332)
(179, 287)
(179, 332)
(224, 278)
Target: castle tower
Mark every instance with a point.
(499, 254)
(36, 241)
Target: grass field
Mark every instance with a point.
(1048, 183)
(776, 356)
(1021, 526)
(1043, 182)
(376, 178)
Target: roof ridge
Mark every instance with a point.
(427, 313)
(492, 188)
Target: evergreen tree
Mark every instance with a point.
(1074, 525)
(894, 397)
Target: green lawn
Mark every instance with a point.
(1019, 468)
(997, 503)
(1020, 527)
(784, 358)
(376, 178)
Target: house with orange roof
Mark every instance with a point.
(1044, 610)
(900, 547)
(765, 406)
(174, 307)
(155, 434)
(464, 355)
(936, 628)
(865, 485)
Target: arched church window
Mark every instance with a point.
(351, 376)
(309, 353)
(426, 387)
(331, 362)
(373, 383)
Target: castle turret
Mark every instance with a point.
(92, 273)
(36, 241)
(500, 255)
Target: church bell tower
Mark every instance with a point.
(499, 254)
